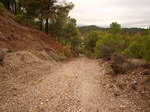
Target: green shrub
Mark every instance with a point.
(24, 15)
(108, 45)
(2, 9)
(55, 58)
(89, 54)
(62, 57)
(76, 55)
(91, 39)
(18, 19)
(62, 42)
(107, 49)
(139, 49)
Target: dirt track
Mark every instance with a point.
(80, 85)
(72, 86)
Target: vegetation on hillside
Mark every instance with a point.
(85, 30)
(111, 45)
(2, 9)
(49, 16)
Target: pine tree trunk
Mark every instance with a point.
(41, 24)
(57, 34)
(8, 5)
(66, 41)
(46, 26)
(12, 5)
(15, 7)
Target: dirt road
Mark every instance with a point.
(75, 86)
(71, 87)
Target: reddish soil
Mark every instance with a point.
(30, 83)
(24, 36)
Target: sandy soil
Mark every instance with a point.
(80, 85)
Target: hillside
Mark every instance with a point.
(86, 29)
(15, 36)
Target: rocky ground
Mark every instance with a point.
(33, 82)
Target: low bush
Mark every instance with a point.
(76, 54)
(107, 50)
(139, 49)
(55, 58)
(89, 54)
(108, 45)
(62, 57)
(120, 63)
(18, 19)
(67, 51)
(24, 15)
(2, 9)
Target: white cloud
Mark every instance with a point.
(129, 13)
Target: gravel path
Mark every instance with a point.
(71, 87)
(80, 85)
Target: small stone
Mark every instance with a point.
(122, 106)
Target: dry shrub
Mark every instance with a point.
(67, 51)
(107, 50)
(75, 53)
(120, 64)
(146, 65)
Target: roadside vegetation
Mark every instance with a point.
(117, 48)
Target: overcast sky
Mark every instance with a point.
(128, 13)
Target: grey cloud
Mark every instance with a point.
(129, 13)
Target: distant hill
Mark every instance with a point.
(86, 29)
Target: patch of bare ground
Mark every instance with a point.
(31, 83)
(24, 36)
(129, 92)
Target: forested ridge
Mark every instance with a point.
(132, 31)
